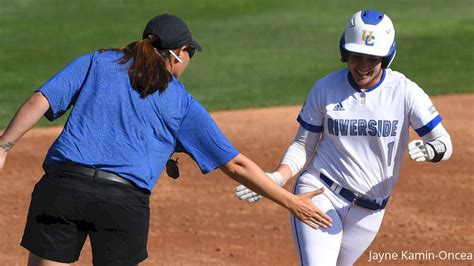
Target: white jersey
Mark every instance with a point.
(365, 133)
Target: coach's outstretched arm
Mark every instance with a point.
(246, 172)
(25, 118)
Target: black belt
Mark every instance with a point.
(88, 172)
(351, 197)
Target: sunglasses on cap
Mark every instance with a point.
(190, 49)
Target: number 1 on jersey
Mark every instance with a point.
(390, 151)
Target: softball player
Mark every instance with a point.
(130, 113)
(354, 130)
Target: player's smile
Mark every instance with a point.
(363, 73)
(365, 70)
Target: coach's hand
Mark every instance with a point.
(243, 193)
(308, 213)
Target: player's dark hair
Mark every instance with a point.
(147, 72)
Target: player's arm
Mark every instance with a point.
(25, 118)
(435, 146)
(298, 153)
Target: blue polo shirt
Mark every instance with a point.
(112, 128)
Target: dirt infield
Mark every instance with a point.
(196, 220)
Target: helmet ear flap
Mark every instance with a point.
(386, 61)
(344, 53)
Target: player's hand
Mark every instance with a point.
(243, 193)
(420, 151)
(308, 213)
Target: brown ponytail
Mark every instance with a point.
(147, 72)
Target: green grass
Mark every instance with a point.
(256, 53)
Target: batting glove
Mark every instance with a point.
(243, 193)
(420, 151)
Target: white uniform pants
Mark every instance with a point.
(353, 227)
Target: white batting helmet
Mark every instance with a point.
(369, 32)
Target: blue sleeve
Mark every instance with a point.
(200, 137)
(62, 89)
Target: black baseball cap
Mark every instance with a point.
(173, 32)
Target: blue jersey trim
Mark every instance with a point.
(429, 126)
(356, 87)
(308, 126)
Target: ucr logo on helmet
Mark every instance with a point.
(368, 37)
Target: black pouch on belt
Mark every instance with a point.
(172, 169)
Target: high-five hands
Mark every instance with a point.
(302, 208)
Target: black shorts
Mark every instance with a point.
(65, 209)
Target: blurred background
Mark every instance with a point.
(255, 53)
